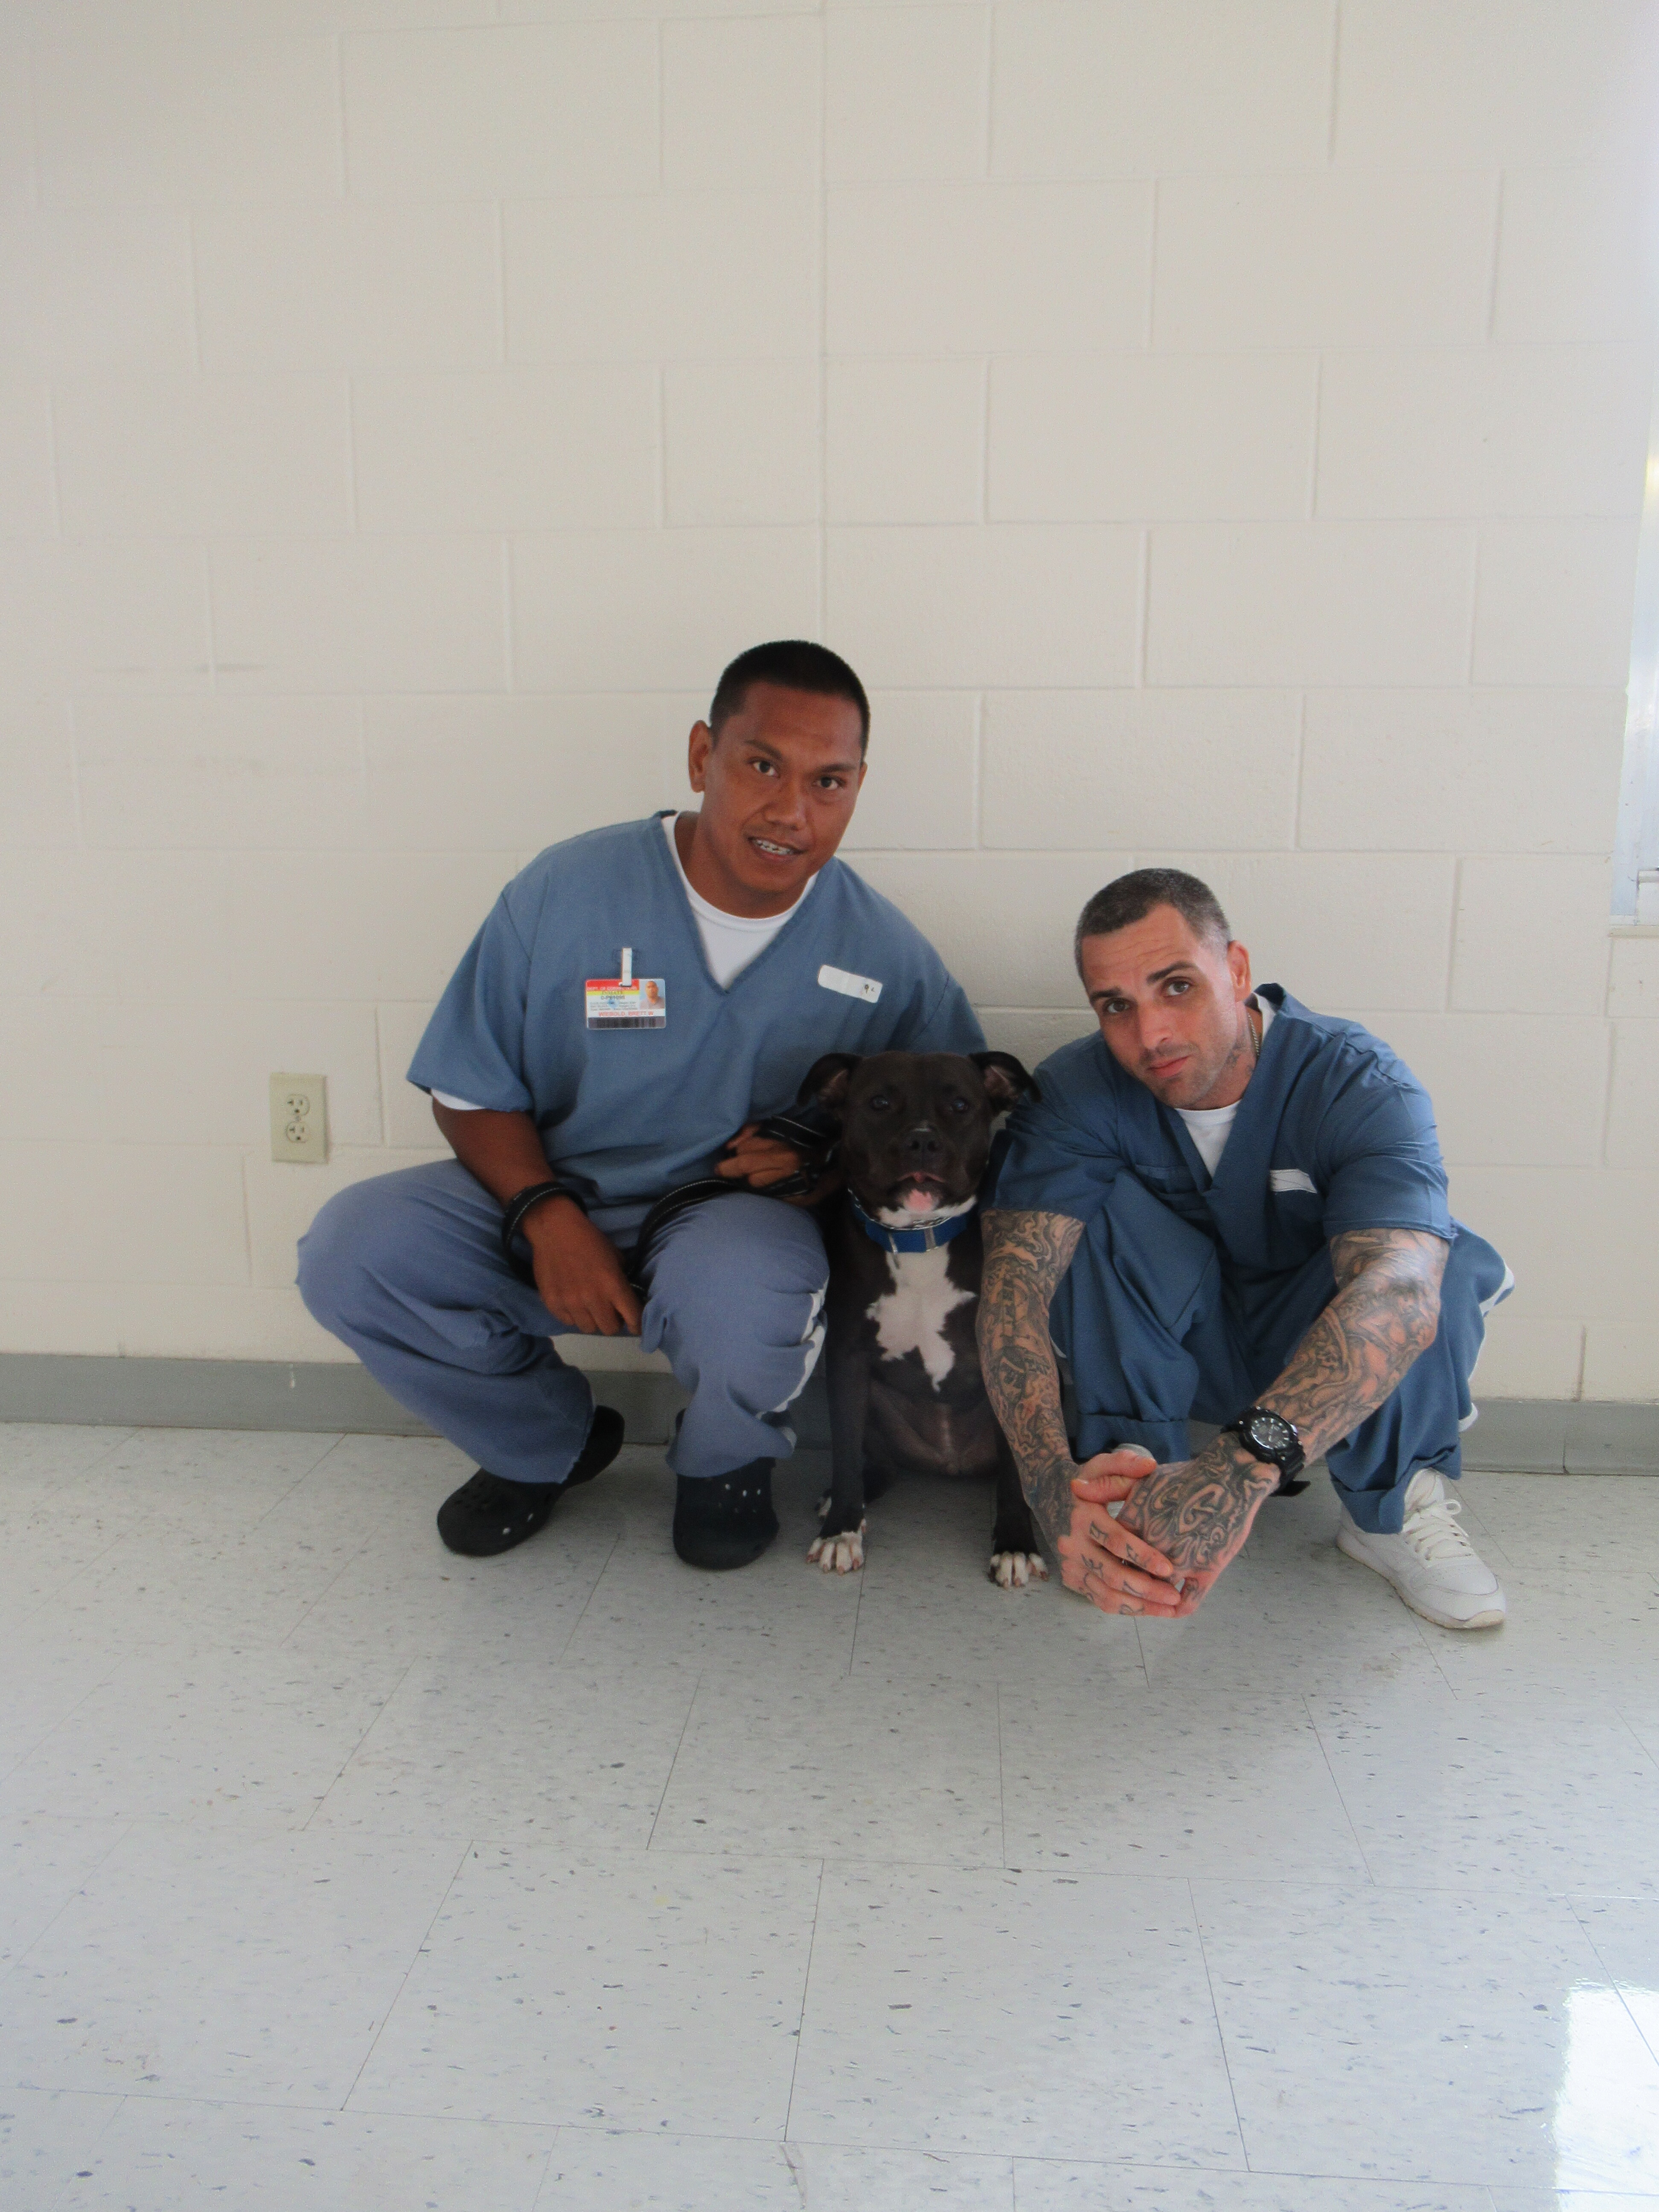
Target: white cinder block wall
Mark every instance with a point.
(1215, 427)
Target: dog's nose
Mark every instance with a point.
(923, 1138)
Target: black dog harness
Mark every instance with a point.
(813, 1136)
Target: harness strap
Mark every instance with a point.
(806, 1130)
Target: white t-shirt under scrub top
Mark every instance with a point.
(730, 941)
(1210, 1127)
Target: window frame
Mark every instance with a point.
(1636, 843)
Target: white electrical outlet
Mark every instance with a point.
(299, 1118)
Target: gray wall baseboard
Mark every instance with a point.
(1516, 1436)
(319, 1395)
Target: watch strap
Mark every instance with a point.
(1290, 1463)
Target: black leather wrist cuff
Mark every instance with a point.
(520, 1203)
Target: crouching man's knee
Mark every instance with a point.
(344, 1254)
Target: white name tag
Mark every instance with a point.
(853, 986)
(1291, 1179)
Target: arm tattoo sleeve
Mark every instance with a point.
(1026, 1255)
(1385, 1312)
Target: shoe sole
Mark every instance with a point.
(1489, 1618)
(719, 1559)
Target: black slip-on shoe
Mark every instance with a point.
(724, 1519)
(490, 1514)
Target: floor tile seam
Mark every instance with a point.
(1615, 1981)
(168, 1826)
(1255, 2173)
(805, 1989)
(593, 1592)
(218, 2101)
(837, 1854)
(340, 1572)
(126, 1827)
(853, 1640)
(604, 2129)
(1472, 1894)
(330, 1446)
(418, 1953)
(1220, 2030)
(1649, 1759)
(63, 1591)
(339, 1774)
(1140, 1649)
(1347, 1810)
(57, 1589)
(1002, 1782)
(895, 2148)
(119, 2099)
(1507, 1893)
(679, 1745)
(117, 1662)
(865, 2147)
(836, 1858)
(595, 1851)
(122, 1437)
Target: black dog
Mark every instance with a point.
(905, 1260)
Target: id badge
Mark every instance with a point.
(626, 1002)
(614, 1005)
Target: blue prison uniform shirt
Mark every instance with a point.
(1334, 1132)
(628, 1114)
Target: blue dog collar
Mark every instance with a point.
(910, 1240)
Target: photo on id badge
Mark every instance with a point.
(626, 1002)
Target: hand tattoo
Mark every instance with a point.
(1198, 1512)
(1026, 1256)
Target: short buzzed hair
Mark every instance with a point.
(795, 663)
(1132, 897)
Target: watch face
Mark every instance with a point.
(1270, 1433)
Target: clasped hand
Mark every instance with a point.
(1200, 1510)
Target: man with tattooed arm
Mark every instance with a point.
(1228, 1207)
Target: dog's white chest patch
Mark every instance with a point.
(911, 1316)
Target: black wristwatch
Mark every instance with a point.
(1271, 1438)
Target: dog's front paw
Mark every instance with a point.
(1013, 1570)
(842, 1553)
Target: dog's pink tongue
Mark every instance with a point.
(919, 1201)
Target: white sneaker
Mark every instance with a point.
(1431, 1563)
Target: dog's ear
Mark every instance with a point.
(827, 1080)
(1006, 1081)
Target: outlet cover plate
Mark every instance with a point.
(299, 1119)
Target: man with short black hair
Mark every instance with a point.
(1227, 1206)
(638, 1003)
